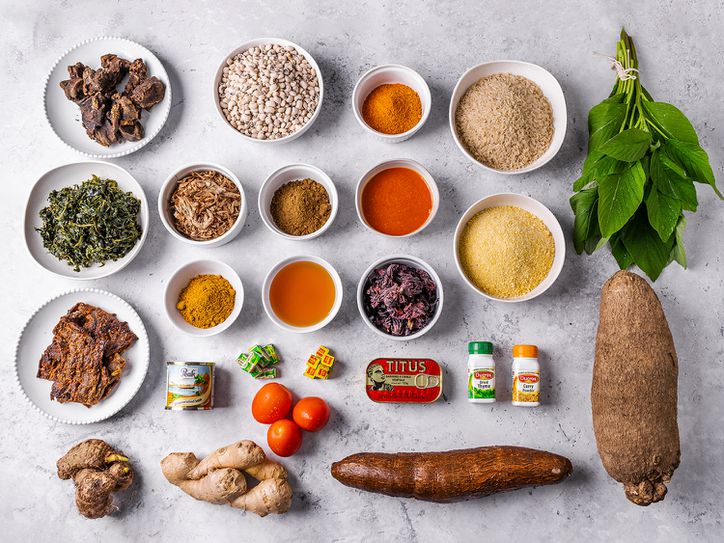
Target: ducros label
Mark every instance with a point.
(526, 386)
(481, 384)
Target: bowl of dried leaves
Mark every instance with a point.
(400, 297)
(203, 204)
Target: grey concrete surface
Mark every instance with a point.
(682, 60)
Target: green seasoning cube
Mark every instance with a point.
(272, 353)
(267, 374)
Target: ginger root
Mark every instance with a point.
(219, 478)
(97, 471)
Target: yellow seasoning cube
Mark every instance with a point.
(321, 373)
(322, 351)
(313, 361)
(327, 360)
(310, 372)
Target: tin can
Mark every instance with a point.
(190, 386)
(403, 380)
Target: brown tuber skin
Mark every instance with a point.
(452, 475)
(97, 470)
(633, 395)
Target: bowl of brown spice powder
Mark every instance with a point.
(298, 202)
(203, 204)
(508, 116)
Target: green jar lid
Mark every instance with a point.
(480, 347)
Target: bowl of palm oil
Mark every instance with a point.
(397, 198)
(302, 294)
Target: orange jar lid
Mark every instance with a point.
(525, 351)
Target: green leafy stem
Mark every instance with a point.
(638, 178)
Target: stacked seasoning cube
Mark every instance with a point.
(259, 361)
(319, 365)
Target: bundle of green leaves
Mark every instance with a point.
(638, 178)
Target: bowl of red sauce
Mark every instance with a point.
(397, 198)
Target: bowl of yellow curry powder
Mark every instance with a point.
(391, 102)
(204, 297)
(509, 247)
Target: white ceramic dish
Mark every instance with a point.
(64, 116)
(289, 173)
(410, 261)
(274, 41)
(38, 334)
(65, 176)
(398, 163)
(388, 74)
(541, 77)
(267, 286)
(181, 277)
(164, 204)
(537, 209)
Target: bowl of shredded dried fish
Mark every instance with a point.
(203, 204)
(509, 247)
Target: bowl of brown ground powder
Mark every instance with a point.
(298, 202)
(508, 116)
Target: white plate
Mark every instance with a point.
(64, 115)
(38, 334)
(65, 176)
(540, 76)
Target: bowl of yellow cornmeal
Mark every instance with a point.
(509, 247)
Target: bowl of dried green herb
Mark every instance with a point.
(86, 220)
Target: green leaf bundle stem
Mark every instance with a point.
(638, 178)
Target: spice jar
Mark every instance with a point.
(481, 372)
(526, 376)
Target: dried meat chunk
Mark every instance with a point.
(104, 326)
(84, 359)
(148, 93)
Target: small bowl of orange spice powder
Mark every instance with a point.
(397, 198)
(391, 102)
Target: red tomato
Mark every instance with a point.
(272, 403)
(311, 414)
(284, 437)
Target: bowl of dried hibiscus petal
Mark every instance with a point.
(400, 297)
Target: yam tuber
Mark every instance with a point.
(633, 394)
(452, 475)
(219, 478)
(97, 471)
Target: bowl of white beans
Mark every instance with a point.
(268, 90)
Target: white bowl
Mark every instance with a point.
(541, 77)
(410, 261)
(267, 286)
(274, 41)
(398, 163)
(74, 174)
(63, 116)
(386, 74)
(164, 204)
(180, 279)
(537, 209)
(284, 175)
